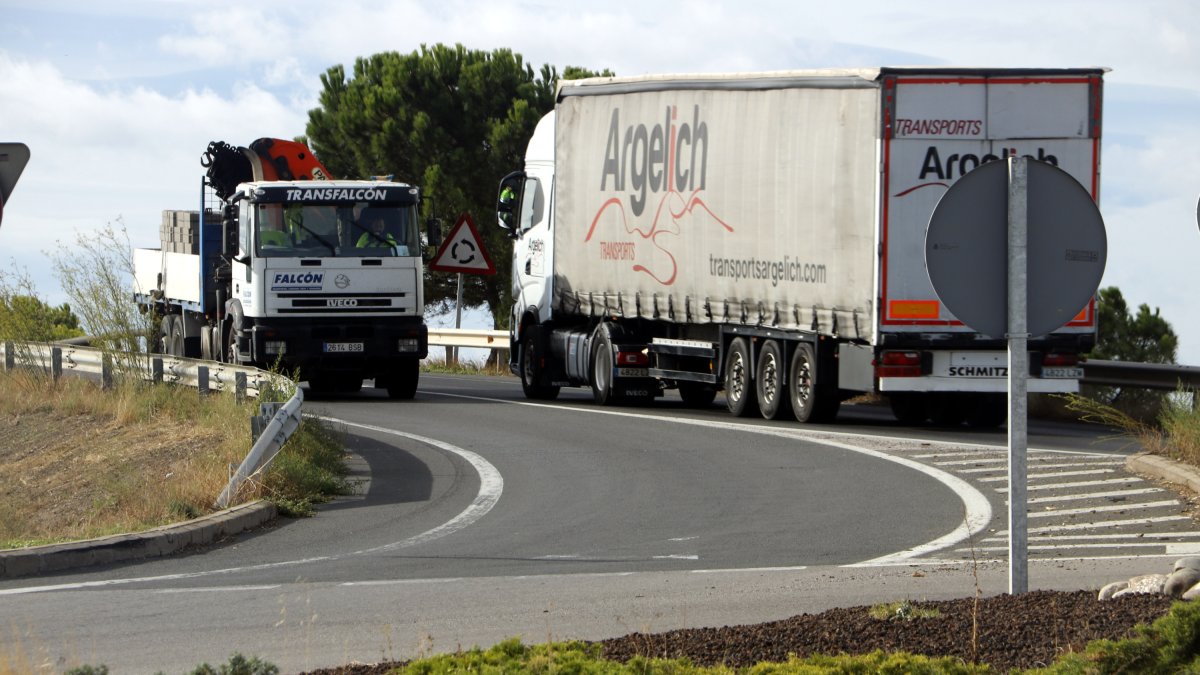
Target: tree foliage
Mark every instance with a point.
(450, 120)
(26, 317)
(1144, 337)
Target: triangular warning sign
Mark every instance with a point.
(463, 251)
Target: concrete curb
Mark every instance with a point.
(1165, 469)
(160, 541)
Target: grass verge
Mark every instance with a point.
(76, 463)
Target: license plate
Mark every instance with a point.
(633, 372)
(340, 347)
(1065, 373)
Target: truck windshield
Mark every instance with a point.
(336, 230)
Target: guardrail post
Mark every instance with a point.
(239, 387)
(156, 369)
(202, 380)
(106, 372)
(56, 363)
(9, 356)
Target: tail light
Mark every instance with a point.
(1060, 360)
(898, 364)
(632, 359)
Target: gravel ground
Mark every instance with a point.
(1005, 631)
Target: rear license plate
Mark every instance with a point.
(1065, 373)
(633, 372)
(339, 347)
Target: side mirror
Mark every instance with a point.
(508, 202)
(433, 232)
(229, 230)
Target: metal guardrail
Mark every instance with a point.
(1169, 376)
(205, 376)
(468, 337)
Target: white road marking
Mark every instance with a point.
(1101, 509)
(491, 486)
(1100, 524)
(1054, 474)
(1152, 536)
(1095, 495)
(220, 589)
(1088, 483)
(1036, 467)
(977, 509)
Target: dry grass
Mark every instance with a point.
(76, 464)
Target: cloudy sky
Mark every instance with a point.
(118, 99)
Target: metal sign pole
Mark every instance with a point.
(457, 320)
(1018, 372)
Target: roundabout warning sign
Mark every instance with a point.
(463, 251)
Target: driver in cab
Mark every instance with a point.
(376, 234)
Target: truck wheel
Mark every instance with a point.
(739, 392)
(602, 369)
(987, 411)
(402, 380)
(813, 400)
(774, 400)
(164, 335)
(697, 395)
(946, 409)
(909, 408)
(231, 352)
(175, 339)
(531, 371)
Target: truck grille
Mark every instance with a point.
(334, 303)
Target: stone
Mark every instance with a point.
(1147, 583)
(1191, 563)
(1192, 593)
(1180, 581)
(1108, 591)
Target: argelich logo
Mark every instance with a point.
(658, 174)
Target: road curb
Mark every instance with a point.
(1165, 469)
(160, 541)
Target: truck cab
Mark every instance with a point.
(327, 280)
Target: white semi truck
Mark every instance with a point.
(282, 267)
(763, 234)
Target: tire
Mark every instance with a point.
(208, 348)
(774, 400)
(697, 395)
(987, 411)
(402, 380)
(909, 408)
(531, 370)
(740, 397)
(603, 391)
(231, 352)
(164, 335)
(813, 398)
(175, 340)
(218, 341)
(947, 410)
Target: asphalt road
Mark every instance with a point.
(482, 516)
